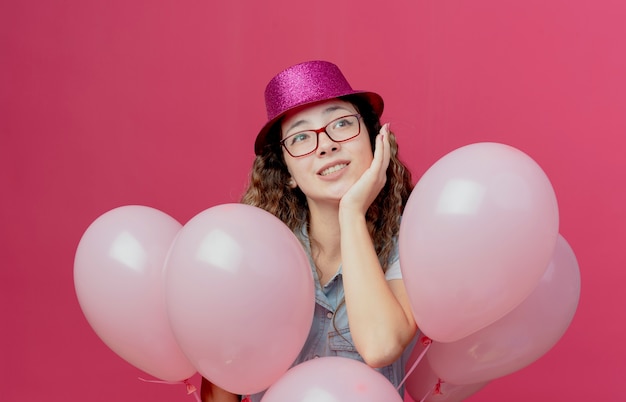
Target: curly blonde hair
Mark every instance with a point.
(268, 188)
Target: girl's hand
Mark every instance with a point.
(362, 193)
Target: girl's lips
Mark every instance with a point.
(332, 169)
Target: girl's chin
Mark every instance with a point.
(330, 193)
(333, 199)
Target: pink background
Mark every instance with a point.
(110, 103)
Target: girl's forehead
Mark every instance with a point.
(317, 109)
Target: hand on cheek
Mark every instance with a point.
(362, 193)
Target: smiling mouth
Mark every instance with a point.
(333, 169)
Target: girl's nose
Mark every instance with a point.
(325, 144)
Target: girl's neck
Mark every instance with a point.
(325, 236)
(324, 224)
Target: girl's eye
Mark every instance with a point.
(299, 137)
(342, 124)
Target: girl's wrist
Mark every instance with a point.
(348, 216)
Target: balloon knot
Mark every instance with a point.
(437, 390)
(190, 387)
(426, 340)
(246, 399)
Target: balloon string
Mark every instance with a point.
(436, 390)
(191, 389)
(426, 341)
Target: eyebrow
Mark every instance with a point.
(326, 111)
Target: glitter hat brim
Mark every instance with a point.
(303, 85)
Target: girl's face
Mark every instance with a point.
(325, 175)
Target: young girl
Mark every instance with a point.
(329, 171)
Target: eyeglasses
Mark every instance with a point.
(306, 142)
